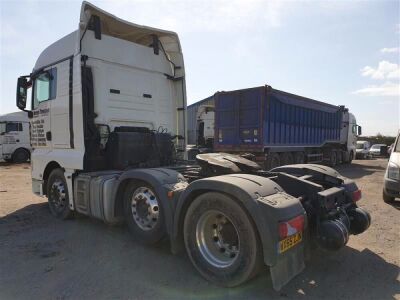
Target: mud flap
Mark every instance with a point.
(287, 266)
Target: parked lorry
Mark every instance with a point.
(14, 137)
(111, 100)
(277, 127)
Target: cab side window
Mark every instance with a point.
(45, 87)
(13, 127)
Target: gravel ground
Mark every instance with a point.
(44, 258)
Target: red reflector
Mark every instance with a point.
(356, 195)
(291, 227)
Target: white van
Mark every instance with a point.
(14, 137)
(391, 189)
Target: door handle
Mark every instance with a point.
(17, 141)
(48, 135)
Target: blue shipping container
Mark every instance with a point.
(255, 118)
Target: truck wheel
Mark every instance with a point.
(299, 158)
(144, 213)
(387, 198)
(221, 240)
(57, 195)
(272, 161)
(286, 158)
(20, 156)
(333, 159)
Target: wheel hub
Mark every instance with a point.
(57, 195)
(145, 208)
(217, 239)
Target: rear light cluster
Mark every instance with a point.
(356, 195)
(291, 227)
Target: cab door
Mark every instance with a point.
(59, 109)
(43, 92)
(10, 138)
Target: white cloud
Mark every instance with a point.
(385, 70)
(390, 50)
(385, 89)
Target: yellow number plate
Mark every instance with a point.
(290, 242)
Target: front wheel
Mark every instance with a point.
(221, 240)
(144, 213)
(57, 195)
(20, 156)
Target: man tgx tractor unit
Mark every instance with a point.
(110, 98)
(276, 127)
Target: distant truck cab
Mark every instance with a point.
(14, 137)
(362, 149)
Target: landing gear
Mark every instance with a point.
(272, 161)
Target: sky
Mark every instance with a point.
(341, 52)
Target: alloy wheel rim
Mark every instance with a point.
(217, 239)
(145, 208)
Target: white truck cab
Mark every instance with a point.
(14, 137)
(362, 149)
(205, 125)
(107, 74)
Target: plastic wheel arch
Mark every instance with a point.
(242, 191)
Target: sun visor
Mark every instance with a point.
(116, 27)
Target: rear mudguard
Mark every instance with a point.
(266, 203)
(162, 180)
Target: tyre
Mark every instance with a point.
(286, 158)
(221, 240)
(333, 159)
(57, 195)
(144, 213)
(299, 158)
(387, 198)
(20, 156)
(272, 161)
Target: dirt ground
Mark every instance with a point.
(45, 258)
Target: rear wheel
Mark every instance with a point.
(144, 213)
(20, 156)
(221, 240)
(57, 195)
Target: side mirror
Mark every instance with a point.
(22, 86)
(359, 131)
